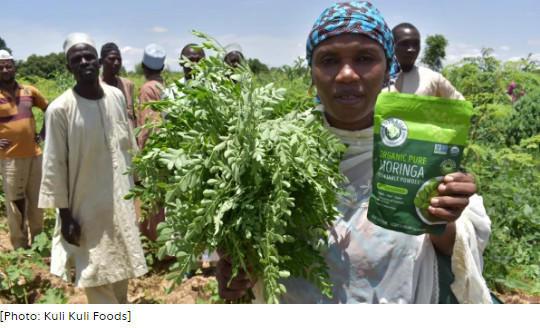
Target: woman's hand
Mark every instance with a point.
(454, 192)
(238, 287)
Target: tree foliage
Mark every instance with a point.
(257, 66)
(46, 67)
(4, 46)
(435, 51)
(525, 118)
(504, 155)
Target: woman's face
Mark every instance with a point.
(349, 71)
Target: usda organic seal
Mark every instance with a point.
(393, 132)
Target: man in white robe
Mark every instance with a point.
(87, 153)
(413, 79)
(423, 81)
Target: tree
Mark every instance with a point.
(46, 67)
(435, 51)
(298, 69)
(137, 69)
(530, 64)
(4, 46)
(256, 66)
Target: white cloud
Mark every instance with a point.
(534, 42)
(159, 29)
(271, 50)
(131, 56)
(49, 40)
(514, 58)
(457, 51)
(534, 56)
(504, 48)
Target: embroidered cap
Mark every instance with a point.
(77, 38)
(5, 55)
(154, 56)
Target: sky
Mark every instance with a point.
(272, 31)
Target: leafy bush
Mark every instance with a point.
(489, 124)
(239, 176)
(525, 119)
(46, 67)
(19, 281)
(17, 278)
(506, 178)
(504, 156)
(295, 80)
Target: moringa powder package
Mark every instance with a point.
(417, 141)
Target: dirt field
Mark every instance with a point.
(151, 288)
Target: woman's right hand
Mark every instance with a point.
(238, 287)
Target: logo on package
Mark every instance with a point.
(393, 132)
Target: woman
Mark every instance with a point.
(350, 52)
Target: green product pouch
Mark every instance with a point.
(417, 141)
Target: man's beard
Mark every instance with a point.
(10, 80)
(88, 78)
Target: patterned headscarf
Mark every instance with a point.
(359, 17)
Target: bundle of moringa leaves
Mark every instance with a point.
(233, 175)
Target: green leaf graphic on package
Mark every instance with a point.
(423, 198)
(393, 131)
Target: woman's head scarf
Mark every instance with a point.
(357, 17)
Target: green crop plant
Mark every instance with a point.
(235, 175)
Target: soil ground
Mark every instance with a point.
(151, 288)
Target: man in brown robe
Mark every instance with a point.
(152, 90)
(111, 62)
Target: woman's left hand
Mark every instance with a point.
(454, 193)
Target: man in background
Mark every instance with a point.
(193, 54)
(153, 64)
(87, 153)
(414, 79)
(190, 55)
(111, 62)
(233, 56)
(20, 154)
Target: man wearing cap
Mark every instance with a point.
(20, 154)
(111, 62)
(414, 79)
(87, 152)
(152, 90)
